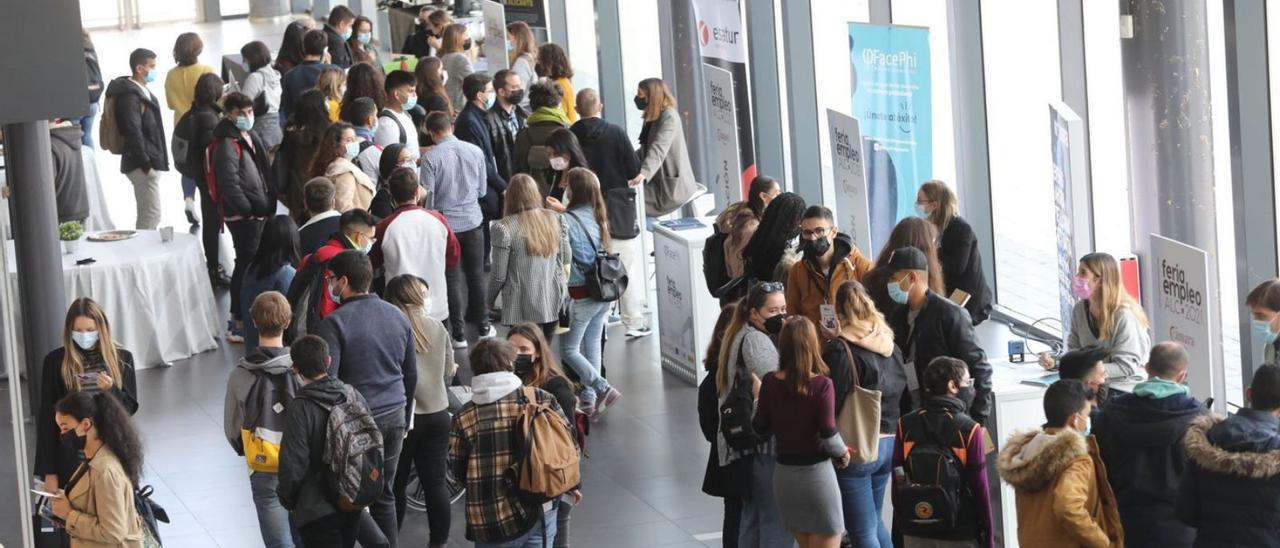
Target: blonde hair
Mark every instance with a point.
(939, 193)
(541, 228)
(525, 43)
(330, 82)
(405, 292)
(857, 310)
(73, 359)
(453, 38)
(659, 97)
(1110, 294)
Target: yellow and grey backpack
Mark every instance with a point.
(264, 419)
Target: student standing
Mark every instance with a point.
(1063, 497)
(392, 158)
(1106, 316)
(338, 30)
(1087, 364)
(771, 251)
(137, 116)
(304, 76)
(797, 407)
(179, 94)
(505, 119)
(530, 154)
(290, 54)
(263, 86)
(553, 64)
(427, 446)
(530, 249)
(454, 54)
(720, 481)
(258, 421)
(302, 136)
(363, 48)
(203, 117)
(432, 97)
(909, 232)
(523, 54)
(270, 269)
(394, 123)
(1264, 305)
(362, 114)
(664, 158)
(89, 361)
(330, 82)
(1140, 439)
(830, 259)
(416, 241)
(564, 154)
(477, 90)
(957, 248)
(418, 44)
(323, 216)
(363, 81)
(334, 160)
(309, 294)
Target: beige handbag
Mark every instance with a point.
(859, 418)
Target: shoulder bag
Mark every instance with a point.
(859, 417)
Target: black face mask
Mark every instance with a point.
(466, 45)
(773, 324)
(641, 102)
(524, 363)
(966, 395)
(71, 440)
(514, 97)
(816, 248)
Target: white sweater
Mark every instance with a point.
(414, 240)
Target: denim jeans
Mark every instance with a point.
(534, 538)
(188, 187)
(427, 449)
(468, 284)
(862, 491)
(336, 530)
(580, 347)
(244, 238)
(86, 124)
(761, 525)
(378, 527)
(273, 519)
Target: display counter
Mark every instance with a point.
(686, 310)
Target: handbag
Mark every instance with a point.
(46, 531)
(859, 417)
(607, 275)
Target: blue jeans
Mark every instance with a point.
(86, 125)
(277, 528)
(580, 347)
(377, 528)
(541, 535)
(188, 187)
(761, 525)
(862, 490)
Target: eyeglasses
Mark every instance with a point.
(819, 232)
(771, 287)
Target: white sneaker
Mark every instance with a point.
(459, 344)
(193, 216)
(489, 332)
(638, 333)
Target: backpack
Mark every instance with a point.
(264, 421)
(548, 465)
(934, 495)
(387, 113)
(352, 452)
(620, 204)
(183, 136)
(150, 513)
(211, 176)
(109, 135)
(714, 269)
(736, 411)
(305, 294)
(607, 275)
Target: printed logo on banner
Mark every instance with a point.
(720, 30)
(725, 160)
(1177, 297)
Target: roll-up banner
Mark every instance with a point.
(1066, 135)
(850, 201)
(495, 36)
(723, 44)
(891, 100)
(726, 163)
(532, 12)
(1181, 313)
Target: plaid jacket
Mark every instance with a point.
(483, 444)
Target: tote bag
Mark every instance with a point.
(859, 418)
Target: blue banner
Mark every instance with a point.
(892, 102)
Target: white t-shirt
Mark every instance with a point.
(389, 132)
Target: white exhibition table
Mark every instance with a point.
(686, 310)
(156, 295)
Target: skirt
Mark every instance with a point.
(809, 498)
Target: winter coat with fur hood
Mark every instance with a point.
(1063, 498)
(1231, 487)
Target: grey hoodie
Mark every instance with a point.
(271, 360)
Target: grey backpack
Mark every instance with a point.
(353, 452)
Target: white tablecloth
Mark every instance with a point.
(156, 295)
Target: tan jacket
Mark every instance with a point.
(808, 289)
(102, 513)
(352, 188)
(1063, 497)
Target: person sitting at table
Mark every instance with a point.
(271, 269)
(1107, 316)
(88, 361)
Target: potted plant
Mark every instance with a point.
(70, 233)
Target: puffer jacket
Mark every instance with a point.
(1231, 489)
(1063, 497)
(137, 115)
(808, 288)
(303, 475)
(352, 188)
(240, 168)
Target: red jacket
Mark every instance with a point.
(336, 244)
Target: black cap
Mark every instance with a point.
(906, 258)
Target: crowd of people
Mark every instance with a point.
(382, 219)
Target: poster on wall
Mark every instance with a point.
(722, 43)
(723, 117)
(495, 36)
(1065, 130)
(850, 201)
(892, 102)
(1181, 312)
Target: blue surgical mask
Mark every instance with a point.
(1262, 331)
(897, 293)
(364, 38)
(244, 123)
(86, 340)
(334, 296)
(922, 212)
(411, 102)
(151, 76)
(346, 35)
(488, 104)
(353, 150)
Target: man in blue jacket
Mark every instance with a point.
(371, 348)
(470, 127)
(1140, 438)
(303, 77)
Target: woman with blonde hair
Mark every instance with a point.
(454, 54)
(523, 55)
(665, 169)
(530, 249)
(331, 82)
(89, 361)
(427, 445)
(957, 248)
(1106, 316)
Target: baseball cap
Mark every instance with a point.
(906, 258)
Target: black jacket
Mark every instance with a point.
(303, 476)
(312, 236)
(416, 44)
(138, 120)
(298, 81)
(502, 138)
(51, 456)
(69, 189)
(1230, 491)
(470, 127)
(339, 51)
(875, 372)
(1140, 439)
(203, 120)
(718, 481)
(944, 329)
(614, 161)
(240, 170)
(962, 268)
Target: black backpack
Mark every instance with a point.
(714, 269)
(180, 144)
(737, 409)
(388, 114)
(606, 276)
(935, 495)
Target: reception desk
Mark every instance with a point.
(686, 310)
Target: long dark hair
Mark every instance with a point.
(712, 360)
(310, 113)
(779, 225)
(363, 81)
(429, 82)
(208, 91)
(277, 247)
(760, 185)
(563, 141)
(290, 53)
(330, 149)
(115, 427)
(755, 298)
(546, 367)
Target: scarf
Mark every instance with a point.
(548, 114)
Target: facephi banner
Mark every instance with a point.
(892, 102)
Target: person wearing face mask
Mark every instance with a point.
(395, 125)
(455, 56)
(938, 436)
(427, 447)
(97, 506)
(665, 169)
(414, 240)
(830, 260)
(338, 147)
(1062, 493)
(522, 51)
(361, 43)
(309, 293)
(531, 155)
(362, 114)
(957, 248)
(339, 29)
(240, 161)
(88, 361)
(1140, 438)
(139, 137)
(304, 76)
(1086, 364)
(1264, 307)
(563, 154)
(391, 158)
(1108, 317)
(478, 91)
(748, 347)
(929, 326)
(505, 119)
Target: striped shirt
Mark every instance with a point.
(453, 173)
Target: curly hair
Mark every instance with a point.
(553, 62)
(115, 427)
(363, 80)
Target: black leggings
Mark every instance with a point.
(427, 449)
(210, 226)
